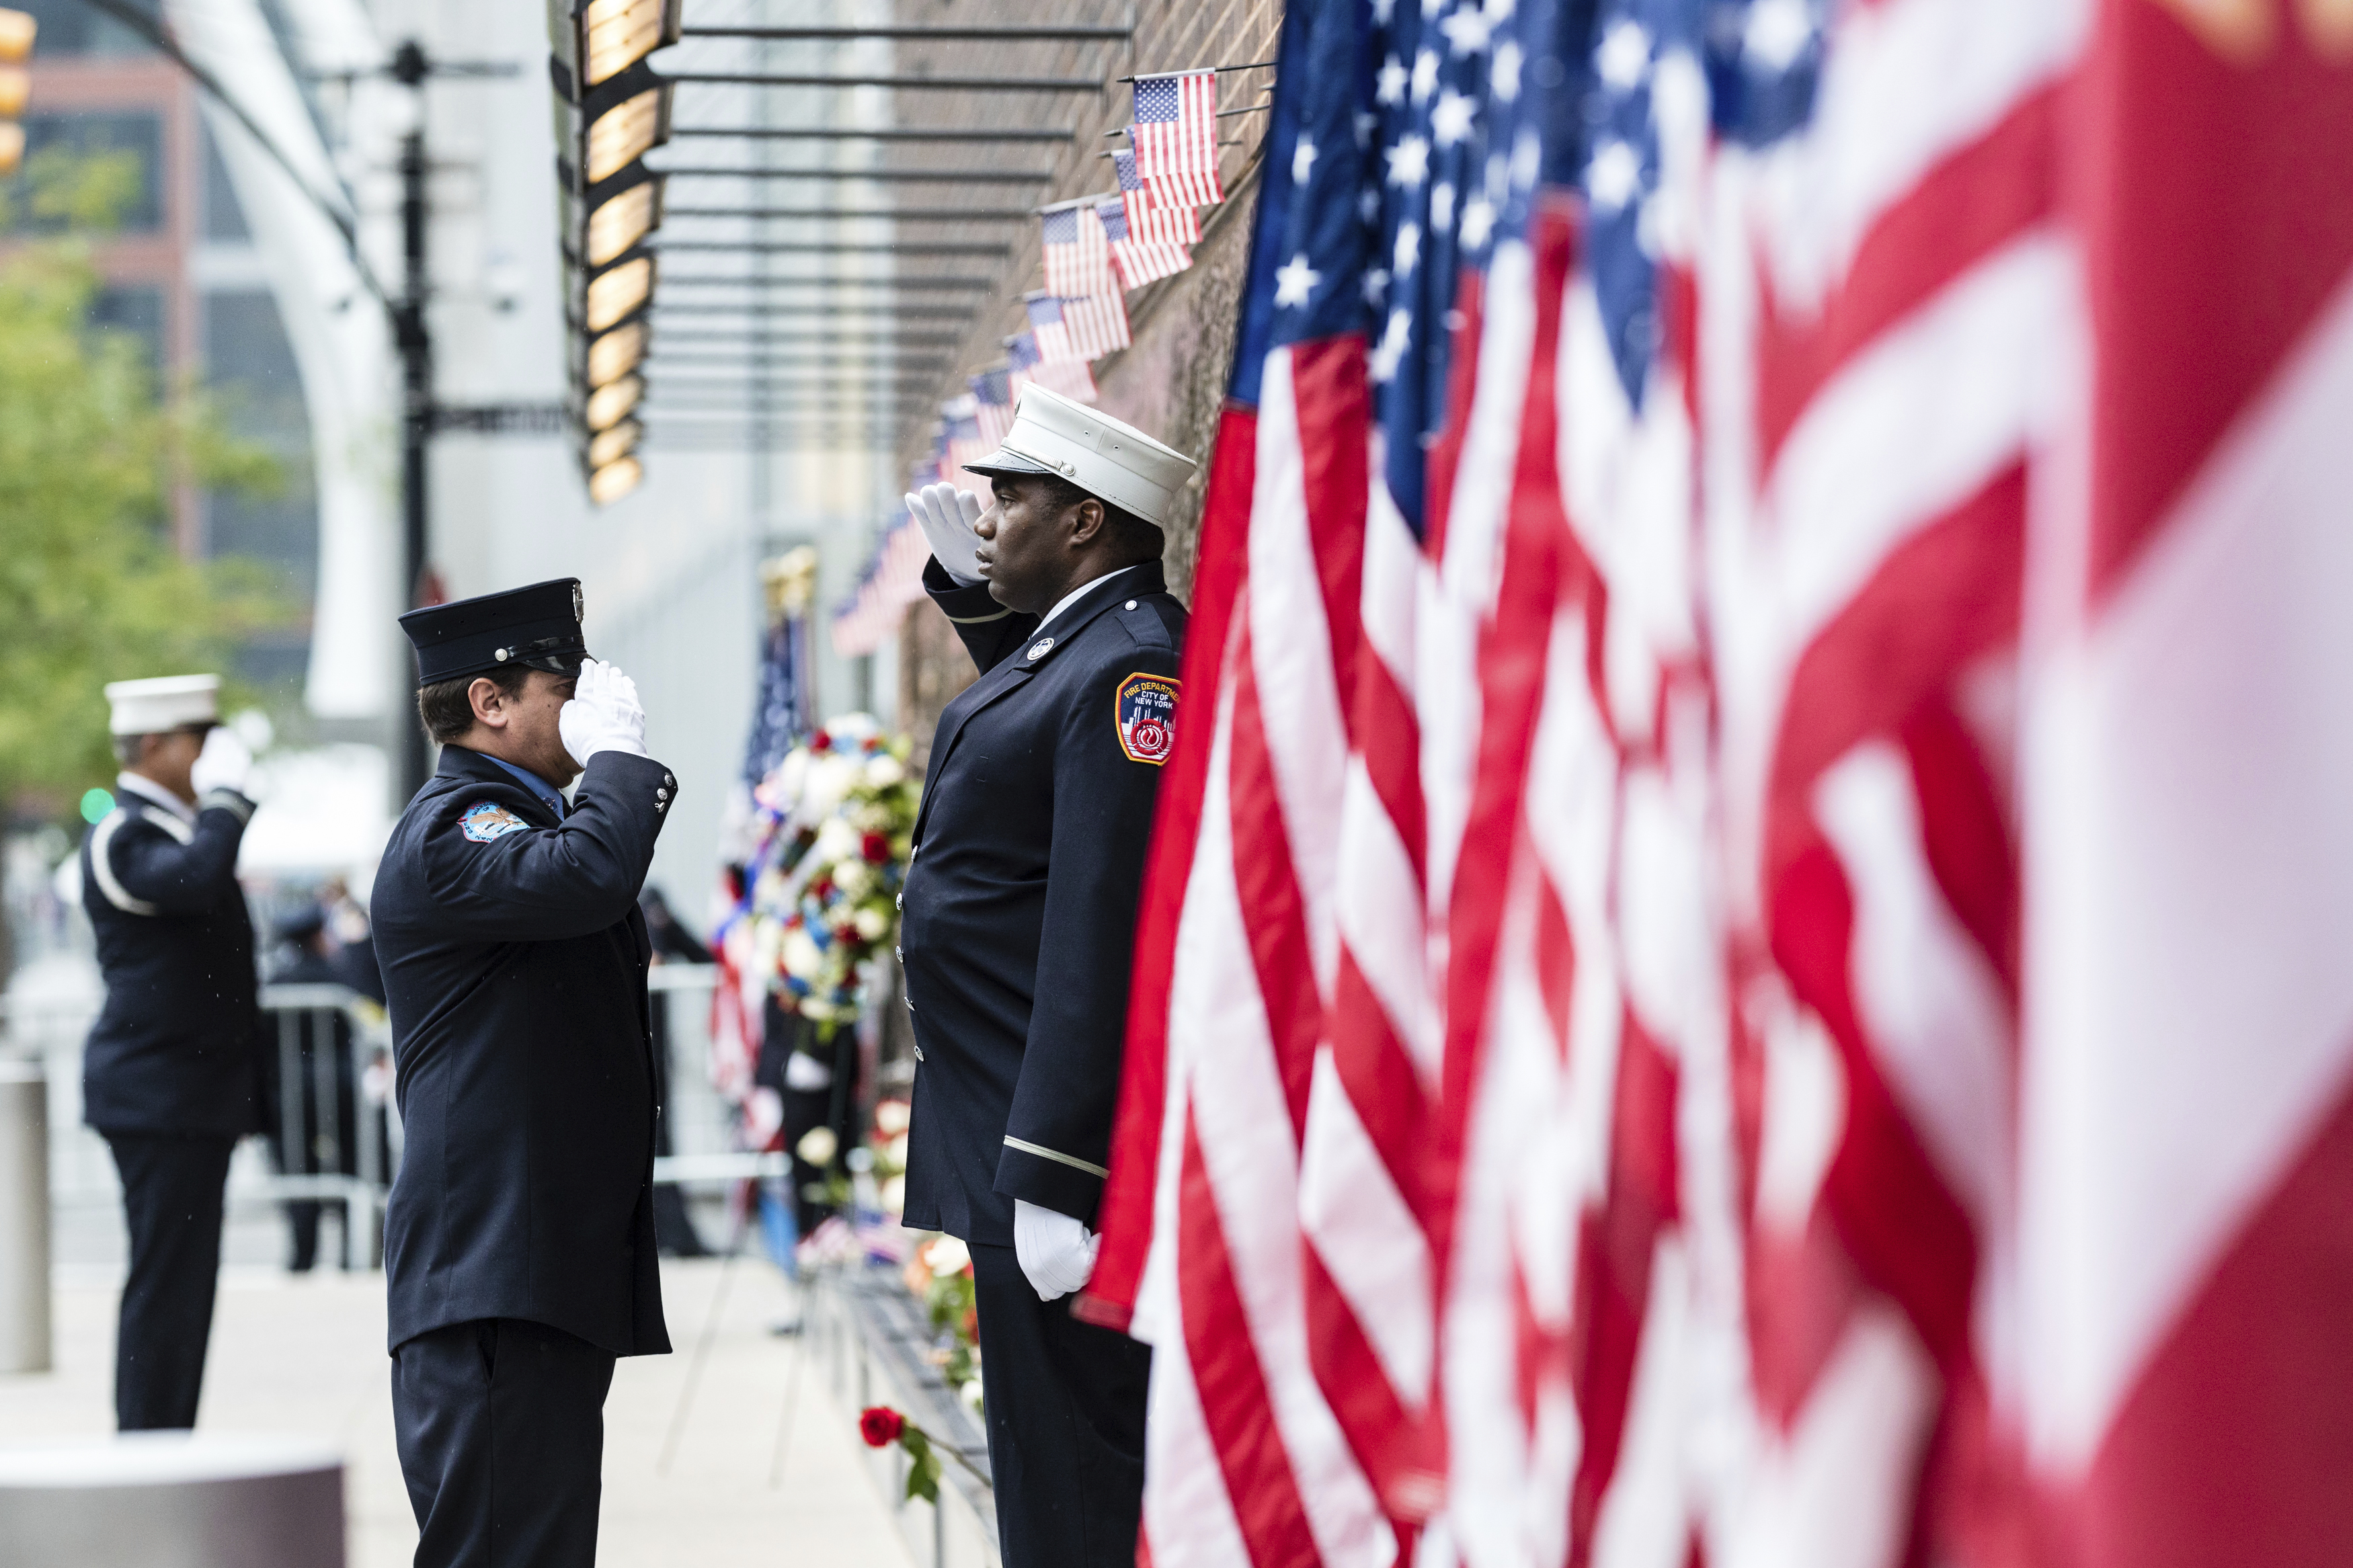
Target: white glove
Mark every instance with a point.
(226, 762)
(1057, 1252)
(603, 715)
(946, 515)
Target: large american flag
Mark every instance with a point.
(1140, 260)
(1077, 329)
(1175, 138)
(1150, 215)
(1732, 968)
(1077, 252)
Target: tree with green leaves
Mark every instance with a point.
(92, 452)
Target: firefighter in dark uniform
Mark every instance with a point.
(518, 1242)
(168, 1075)
(1020, 916)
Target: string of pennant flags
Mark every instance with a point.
(1096, 249)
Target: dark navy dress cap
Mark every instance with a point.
(538, 626)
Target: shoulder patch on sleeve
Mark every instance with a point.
(487, 819)
(1146, 711)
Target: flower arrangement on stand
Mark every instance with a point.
(835, 822)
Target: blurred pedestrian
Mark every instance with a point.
(314, 1044)
(519, 1245)
(1020, 916)
(351, 940)
(168, 1076)
(672, 943)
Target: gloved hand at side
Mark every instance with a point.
(603, 715)
(946, 515)
(226, 762)
(1057, 1252)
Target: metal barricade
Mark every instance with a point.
(358, 1055)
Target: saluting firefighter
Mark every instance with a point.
(1019, 918)
(168, 1073)
(519, 1241)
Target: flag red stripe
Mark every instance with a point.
(2236, 1443)
(2235, 175)
(1231, 1383)
(1219, 573)
(1273, 907)
(1965, 209)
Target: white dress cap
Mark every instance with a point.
(166, 702)
(1107, 458)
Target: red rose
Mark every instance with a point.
(880, 1426)
(822, 888)
(877, 848)
(820, 741)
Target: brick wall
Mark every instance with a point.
(1171, 383)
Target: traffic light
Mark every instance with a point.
(17, 30)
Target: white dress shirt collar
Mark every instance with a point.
(1071, 597)
(148, 790)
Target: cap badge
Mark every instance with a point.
(504, 654)
(1041, 647)
(579, 603)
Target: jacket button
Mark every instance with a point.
(899, 953)
(1131, 604)
(919, 1053)
(911, 1004)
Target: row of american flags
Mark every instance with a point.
(1095, 250)
(1738, 963)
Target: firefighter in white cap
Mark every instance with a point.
(169, 1074)
(1019, 919)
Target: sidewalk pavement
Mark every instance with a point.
(759, 1466)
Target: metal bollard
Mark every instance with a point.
(174, 1499)
(24, 1215)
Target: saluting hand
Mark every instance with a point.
(603, 715)
(226, 762)
(948, 514)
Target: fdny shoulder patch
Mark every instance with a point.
(1146, 714)
(486, 820)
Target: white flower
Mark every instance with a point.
(851, 877)
(801, 957)
(837, 841)
(970, 1393)
(818, 1146)
(946, 1255)
(870, 923)
(830, 778)
(884, 770)
(893, 1195)
(793, 776)
(892, 1116)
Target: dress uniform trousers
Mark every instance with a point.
(172, 1187)
(500, 1427)
(1065, 1403)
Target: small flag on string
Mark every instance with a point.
(1072, 379)
(965, 444)
(1150, 215)
(1175, 137)
(1077, 256)
(1080, 330)
(1139, 260)
(992, 396)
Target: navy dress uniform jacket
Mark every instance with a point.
(514, 967)
(173, 1047)
(1019, 908)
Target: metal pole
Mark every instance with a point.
(416, 347)
(25, 1344)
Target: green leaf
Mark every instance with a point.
(924, 1479)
